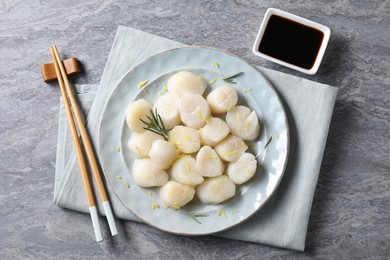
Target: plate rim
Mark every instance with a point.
(226, 53)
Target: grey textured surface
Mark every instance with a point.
(351, 209)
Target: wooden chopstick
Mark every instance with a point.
(79, 153)
(84, 137)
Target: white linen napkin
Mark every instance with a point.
(309, 105)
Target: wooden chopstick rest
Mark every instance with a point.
(49, 72)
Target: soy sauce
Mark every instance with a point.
(291, 42)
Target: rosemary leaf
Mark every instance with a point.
(233, 75)
(268, 142)
(194, 218)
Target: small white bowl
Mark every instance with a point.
(305, 22)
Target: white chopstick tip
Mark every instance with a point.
(95, 223)
(110, 218)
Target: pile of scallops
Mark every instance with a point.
(205, 156)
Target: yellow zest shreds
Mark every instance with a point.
(208, 120)
(155, 206)
(138, 150)
(229, 153)
(126, 184)
(119, 177)
(118, 149)
(200, 116)
(150, 193)
(231, 107)
(182, 155)
(145, 90)
(142, 84)
(211, 157)
(247, 90)
(211, 82)
(165, 87)
(176, 206)
(215, 64)
(224, 214)
(221, 212)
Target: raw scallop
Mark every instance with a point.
(194, 110)
(185, 138)
(146, 174)
(215, 190)
(222, 99)
(168, 108)
(176, 195)
(185, 172)
(231, 148)
(138, 110)
(140, 143)
(163, 154)
(184, 82)
(243, 169)
(243, 123)
(214, 131)
(208, 162)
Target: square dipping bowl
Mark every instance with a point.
(291, 41)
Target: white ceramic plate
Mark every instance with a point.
(251, 196)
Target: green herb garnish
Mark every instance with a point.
(195, 216)
(268, 142)
(247, 90)
(230, 78)
(211, 82)
(155, 124)
(215, 64)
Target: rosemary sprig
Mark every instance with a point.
(155, 124)
(230, 78)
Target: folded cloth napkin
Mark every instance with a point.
(284, 219)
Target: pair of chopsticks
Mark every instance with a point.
(73, 114)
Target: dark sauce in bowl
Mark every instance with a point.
(291, 42)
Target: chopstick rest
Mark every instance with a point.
(49, 73)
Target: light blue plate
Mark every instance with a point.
(251, 196)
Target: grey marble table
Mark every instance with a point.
(350, 216)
